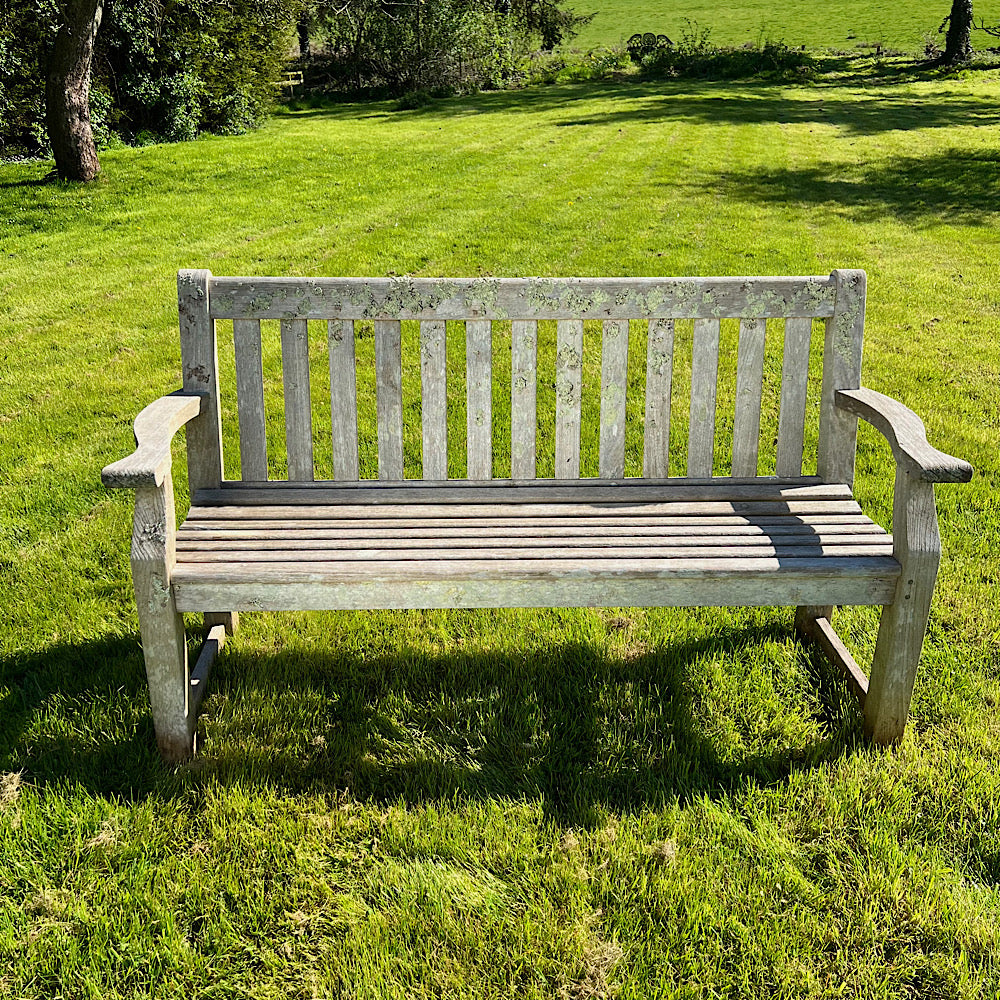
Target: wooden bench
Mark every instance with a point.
(759, 533)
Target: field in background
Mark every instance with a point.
(573, 804)
(843, 25)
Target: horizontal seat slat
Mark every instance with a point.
(597, 555)
(641, 533)
(250, 519)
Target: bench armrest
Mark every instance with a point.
(904, 431)
(154, 429)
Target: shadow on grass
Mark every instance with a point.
(952, 186)
(578, 730)
(732, 102)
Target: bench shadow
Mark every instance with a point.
(553, 726)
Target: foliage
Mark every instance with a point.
(168, 70)
(448, 46)
(695, 56)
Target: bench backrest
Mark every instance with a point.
(522, 312)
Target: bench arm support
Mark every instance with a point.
(154, 429)
(904, 431)
(916, 545)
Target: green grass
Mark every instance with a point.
(641, 803)
(844, 25)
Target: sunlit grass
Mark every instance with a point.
(570, 803)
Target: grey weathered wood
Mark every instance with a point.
(704, 382)
(389, 398)
(250, 399)
(820, 631)
(569, 397)
(434, 399)
(200, 368)
(614, 380)
(523, 399)
(838, 429)
(229, 620)
(298, 400)
(659, 371)
(904, 431)
(542, 491)
(154, 430)
(343, 398)
(345, 543)
(479, 398)
(676, 583)
(520, 298)
(160, 624)
(201, 671)
(794, 383)
(901, 629)
(749, 386)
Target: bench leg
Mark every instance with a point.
(917, 546)
(229, 619)
(160, 625)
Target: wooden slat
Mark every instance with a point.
(202, 670)
(749, 508)
(200, 367)
(569, 397)
(433, 407)
(704, 383)
(767, 587)
(614, 380)
(794, 383)
(659, 370)
(365, 559)
(523, 405)
(250, 399)
(519, 298)
(628, 528)
(389, 398)
(749, 387)
(343, 398)
(298, 403)
(553, 492)
(842, 348)
(479, 398)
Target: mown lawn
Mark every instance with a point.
(847, 24)
(633, 803)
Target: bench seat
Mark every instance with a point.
(288, 546)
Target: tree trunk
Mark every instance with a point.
(303, 32)
(67, 91)
(958, 42)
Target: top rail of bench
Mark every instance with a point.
(520, 298)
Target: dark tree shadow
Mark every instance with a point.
(552, 725)
(957, 185)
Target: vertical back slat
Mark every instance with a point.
(614, 378)
(433, 405)
(659, 369)
(343, 398)
(200, 365)
(704, 382)
(479, 398)
(569, 396)
(298, 402)
(250, 399)
(749, 387)
(794, 382)
(841, 370)
(389, 398)
(523, 399)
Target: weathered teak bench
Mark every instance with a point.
(783, 538)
